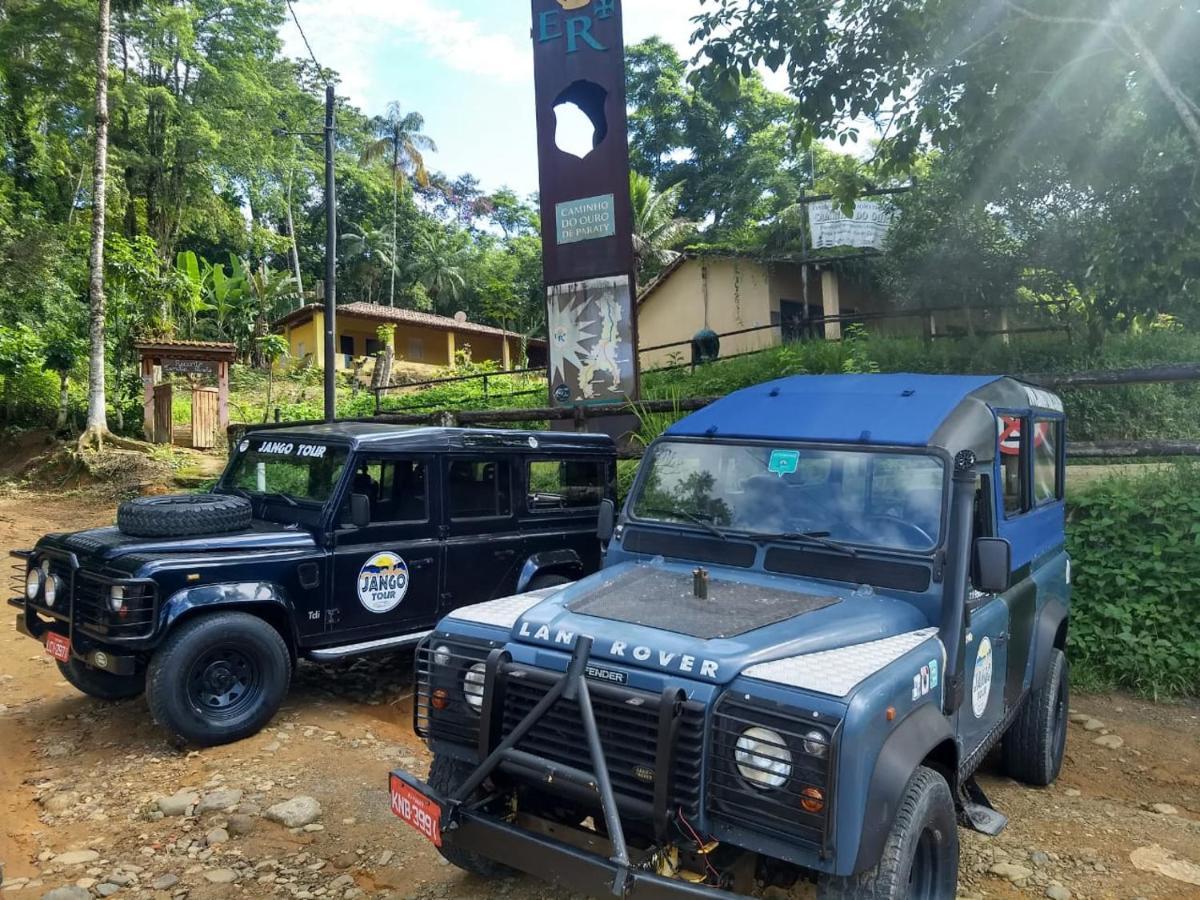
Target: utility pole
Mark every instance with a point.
(330, 259)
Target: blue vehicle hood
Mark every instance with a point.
(849, 618)
(108, 544)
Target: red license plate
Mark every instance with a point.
(417, 810)
(58, 647)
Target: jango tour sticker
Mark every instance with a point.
(383, 582)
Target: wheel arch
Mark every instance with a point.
(1050, 633)
(266, 601)
(564, 562)
(923, 738)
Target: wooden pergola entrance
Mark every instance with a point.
(210, 405)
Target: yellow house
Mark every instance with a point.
(422, 340)
(766, 300)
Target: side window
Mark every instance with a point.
(396, 488)
(565, 484)
(1014, 463)
(1047, 474)
(479, 489)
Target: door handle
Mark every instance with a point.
(419, 563)
(505, 554)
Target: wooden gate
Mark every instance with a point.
(163, 426)
(204, 418)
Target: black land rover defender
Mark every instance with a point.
(322, 542)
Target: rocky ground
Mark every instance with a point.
(95, 801)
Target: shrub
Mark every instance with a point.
(1135, 546)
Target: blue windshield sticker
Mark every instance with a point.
(784, 462)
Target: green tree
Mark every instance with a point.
(657, 229)
(400, 138)
(271, 348)
(441, 255)
(62, 351)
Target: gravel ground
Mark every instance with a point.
(95, 801)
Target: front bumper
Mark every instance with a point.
(554, 861)
(29, 624)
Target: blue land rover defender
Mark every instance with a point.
(826, 600)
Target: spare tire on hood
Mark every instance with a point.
(184, 515)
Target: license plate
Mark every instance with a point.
(417, 810)
(58, 647)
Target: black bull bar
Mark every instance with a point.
(464, 826)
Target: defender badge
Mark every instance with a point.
(383, 582)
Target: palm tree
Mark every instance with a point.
(657, 228)
(399, 136)
(439, 264)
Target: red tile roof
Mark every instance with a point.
(394, 314)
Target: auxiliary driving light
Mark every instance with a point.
(763, 758)
(33, 583)
(50, 590)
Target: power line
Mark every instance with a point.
(304, 37)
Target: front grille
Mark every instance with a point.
(443, 670)
(628, 722)
(775, 811)
(85, 599)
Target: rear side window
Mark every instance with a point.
(479, 489)
(565, 484)
(1014, 463)
(1047, 474)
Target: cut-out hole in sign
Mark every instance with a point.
(582, 122)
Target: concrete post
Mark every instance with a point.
(832, 304)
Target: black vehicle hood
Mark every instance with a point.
(104, 545)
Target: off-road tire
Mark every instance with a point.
(445, 775)
(1034, 745)
(100, 684)
(185, 675)
(919, 859)
(184, 515)
(541, 582)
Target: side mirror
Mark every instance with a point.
(608, 521)
(992, 566)
(360, 510)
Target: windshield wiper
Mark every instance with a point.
(690, 516)
(816, 538)
(279, 495)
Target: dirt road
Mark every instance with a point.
(81, 784)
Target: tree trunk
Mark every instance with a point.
(97, 419)
(295, 250)
(395, 192)
(270, 385)
(64, 401)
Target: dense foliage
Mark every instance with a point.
(1135, 548)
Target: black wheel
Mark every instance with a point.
(445, 775)
(100, 684)
(219, 678)
(184, 515)
(1034, 745)
(541, 582)
(919, 859)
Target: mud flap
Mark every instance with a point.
(976, 811)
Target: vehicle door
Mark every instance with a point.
(387, 574)
(483, 544)
(561, 505)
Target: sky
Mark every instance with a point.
(465, 65)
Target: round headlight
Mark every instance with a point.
(473, 683)
(116, 598)
(441, 656)
(50, 590)
(816, 744)
(33, 583)
(763, 758)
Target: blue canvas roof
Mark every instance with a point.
(897, 410)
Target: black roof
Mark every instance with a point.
(419, 438)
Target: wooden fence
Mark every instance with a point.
(578, 415)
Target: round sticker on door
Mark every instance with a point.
(383, 582)
(981, 683)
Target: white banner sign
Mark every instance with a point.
(868, 227)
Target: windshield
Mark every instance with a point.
(890, 500)
(305, 474)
